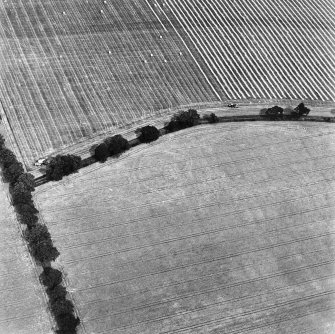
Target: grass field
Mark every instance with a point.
(73, 69)
(216, 229)
(23, 305)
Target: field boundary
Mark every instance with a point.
(39, 180)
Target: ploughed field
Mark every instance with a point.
(216, 229)
(73, 69)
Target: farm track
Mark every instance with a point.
(195, 260)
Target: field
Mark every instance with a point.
(71, 70)
(23, 305)
(216, 229)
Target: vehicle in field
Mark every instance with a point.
(42, 161)
(232, 105)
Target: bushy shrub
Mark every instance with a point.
(58, 292)
(101, 152)
(44, 251)
(62, 165)
(182, 120)
(67, 323)
(13, 171)
(51, 277)
(117, 144)
(147, 134)
(211, 118)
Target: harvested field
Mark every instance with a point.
(217, 229)
(71, 70)
(23, 307)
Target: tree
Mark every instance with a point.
(147, 134)
(57, 292)
(13, 171)
(51, 277)
(62, 165)
(20, 194)
(61, 306)
(44, 251)
(67, 323)
(101, 152)
(27, 180)
(211, 118)
(7, 157)
(2, 142)
(182, 120)
(37, 234)
(274, 112)
(116, 144)
(28, 219)
(26, 208)
(302, 110)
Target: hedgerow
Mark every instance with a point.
(40, 245)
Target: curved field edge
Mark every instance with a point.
(211, 229)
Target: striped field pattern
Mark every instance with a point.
(216, 229)
(263, 48)
(70, 70)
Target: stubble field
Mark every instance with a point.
(216, 229)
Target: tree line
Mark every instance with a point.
(37, 236)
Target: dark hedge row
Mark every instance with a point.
(21, 186)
